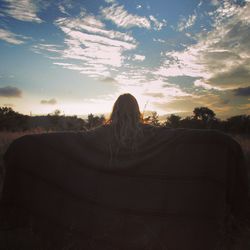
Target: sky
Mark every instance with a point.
(79, 56)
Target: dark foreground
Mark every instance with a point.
(65, 191)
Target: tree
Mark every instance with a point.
(57, 112)
(203, 113)
(56, 120)
(153, 119)
(173, 121)
(12, 120)
(6, 111)
(95, 121)
(238, 124)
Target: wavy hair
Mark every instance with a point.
(125, 121)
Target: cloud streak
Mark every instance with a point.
(9, 91)
(10, 37)
(157, 24)
(52, 101)
(23, 10)
(186, 23)
(118, 15)
(95, 49)
(220, 57)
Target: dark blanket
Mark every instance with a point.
(172, 193)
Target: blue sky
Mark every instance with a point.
(79, 56)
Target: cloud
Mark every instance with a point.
(38, 48)
(188, 103)
(109, 79)
(63, 10)
(186, 23)
(10, 37)
(159, 40)
(242, 91)
(157, 95)
(157, 24)
(23, 10)
(110, 1)
(137, 57)
(234, 76)
(9, 91)
(215, 2)
(220, 57)
(49, 102)
(202, 84)
(95, 49)
(118, 15)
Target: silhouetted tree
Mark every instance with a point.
(153, 119)
(173, 121)
(12, 120)
(203, 113)
(94, 121)
(203, 118)
(190, 122)
(57, 112)
(7, 111)
(55, 119)
(238, 124)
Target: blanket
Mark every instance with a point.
(173, 192)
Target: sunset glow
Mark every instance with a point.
(79, 56)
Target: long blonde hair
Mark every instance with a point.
(126, 120)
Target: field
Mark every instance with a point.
(24, 236)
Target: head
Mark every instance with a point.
(126, 110)
(125, 119)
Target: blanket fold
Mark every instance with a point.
(171, 193)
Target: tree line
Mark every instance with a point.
(202, 118)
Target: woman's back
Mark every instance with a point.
(168, 194)
(128, 185)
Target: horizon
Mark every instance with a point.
(145, 114)
(79, 57)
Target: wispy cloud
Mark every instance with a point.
(23, 10)
(52, 101)
(158, 25)
(10, 37)
(220, 57)
(202, 84)
(38, 48)
(159, 40)
(137, 57)
(215, 2)
(63, 10)
(155, 94)
(110, 1)
(95, 49)
(188, 103)
(118, 15)
(186, 23)
(109, 79)
(9, 91)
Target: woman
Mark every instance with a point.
(126, 121)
